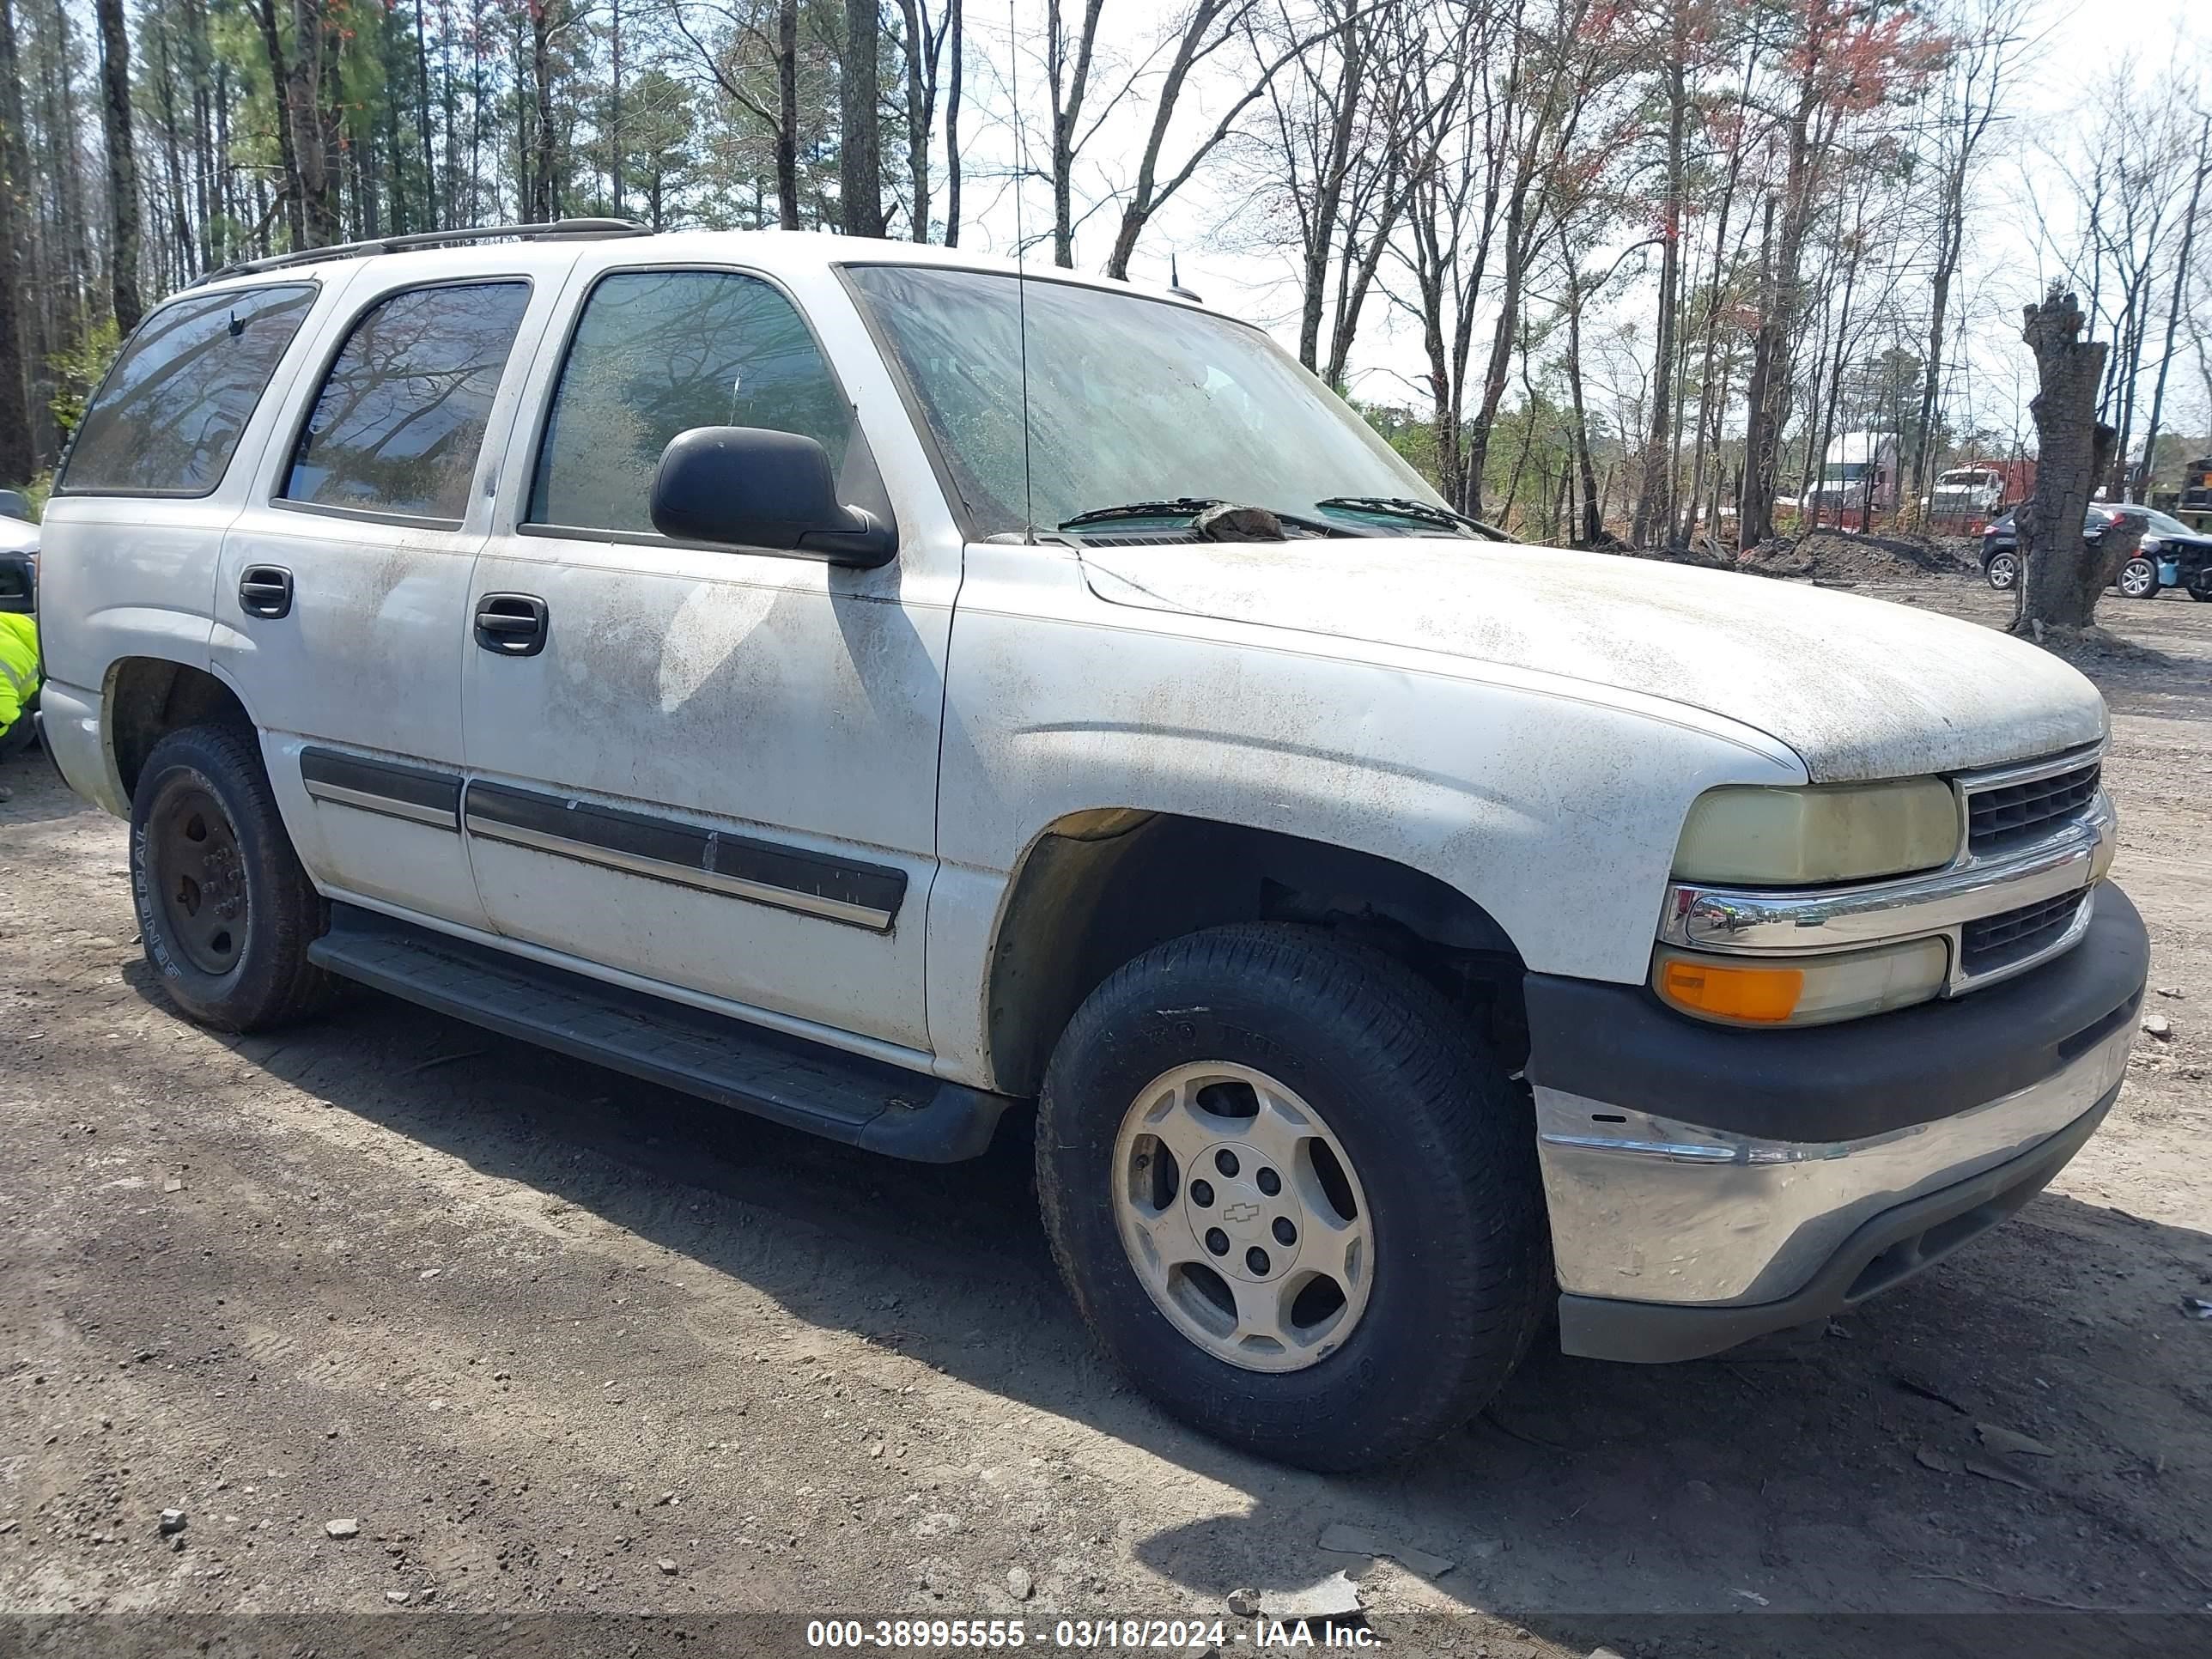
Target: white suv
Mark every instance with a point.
(852, 682)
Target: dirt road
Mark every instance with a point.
(556, 1341)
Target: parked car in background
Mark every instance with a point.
(2171, 555)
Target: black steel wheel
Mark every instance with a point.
(224, 907)
(197, 878)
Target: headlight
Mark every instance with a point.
(1800, 990)
(1767, 837)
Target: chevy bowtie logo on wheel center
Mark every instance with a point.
(1237, 1214)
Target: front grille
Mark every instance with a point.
(2013, 936)
(2016, 812)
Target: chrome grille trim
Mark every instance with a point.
(2012, 806)
(1973, 888)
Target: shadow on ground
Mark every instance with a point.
(1838, 1469)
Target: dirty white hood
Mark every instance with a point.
(1859, 688)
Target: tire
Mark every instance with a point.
(2138, 579)
(2201, 594)
(2003, 571)
(1438, 1157)
(224, 909)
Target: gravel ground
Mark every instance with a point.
(548, 1341)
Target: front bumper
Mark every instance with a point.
(1708, 1184)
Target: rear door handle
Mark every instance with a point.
(512, 624)
(266, 590)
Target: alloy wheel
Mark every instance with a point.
(1243, 1216)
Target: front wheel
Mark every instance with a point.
(225, 910)
(2201, 593)
(2003, 571)
(1295, 1197)
(2139, 579)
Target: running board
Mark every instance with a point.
(840, 1096)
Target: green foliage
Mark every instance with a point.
(77, 370)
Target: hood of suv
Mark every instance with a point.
(1859, 687)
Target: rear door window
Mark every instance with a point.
(397, 427)
(166, 420)
(657, 353)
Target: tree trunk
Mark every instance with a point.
(614, 107)
(786, 120)
(18, 450)
(1593, 525)
(1501, 352)
(1068, 87)
(2060, 575)
(122, 165)
(542, 205)
(1328, 193)
(859, 146)
(430, 215)
(316, 224)
(920, 111)
(1654, 508)
(952, 25)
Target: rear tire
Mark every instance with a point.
(2003, 571)
(224, 907)
(1259, 1026)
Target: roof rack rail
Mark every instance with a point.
(557, 230)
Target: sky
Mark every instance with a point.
(2096, 49)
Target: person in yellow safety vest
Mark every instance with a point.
(19, 679)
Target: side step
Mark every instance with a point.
(841, 1097)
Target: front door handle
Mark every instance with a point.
(512, 624)
(266, 590)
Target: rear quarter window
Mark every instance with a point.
(168, 419)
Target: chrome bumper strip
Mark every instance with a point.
(1650, 1209)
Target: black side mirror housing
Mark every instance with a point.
(746, 486)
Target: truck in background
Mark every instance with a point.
(1966, 498)
(1858, 481)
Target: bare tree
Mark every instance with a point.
(1985, 44)
(1210, 26)
(1068, 81)
(2173, 309)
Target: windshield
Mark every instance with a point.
(2157, 523)
(1130, 399)
(1844, 472)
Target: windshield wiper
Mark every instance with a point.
(1182, 506)
(1405, 507)
(1191, 507)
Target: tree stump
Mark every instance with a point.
(2061, 575)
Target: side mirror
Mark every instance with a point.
(14, 505)
(745, 486)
